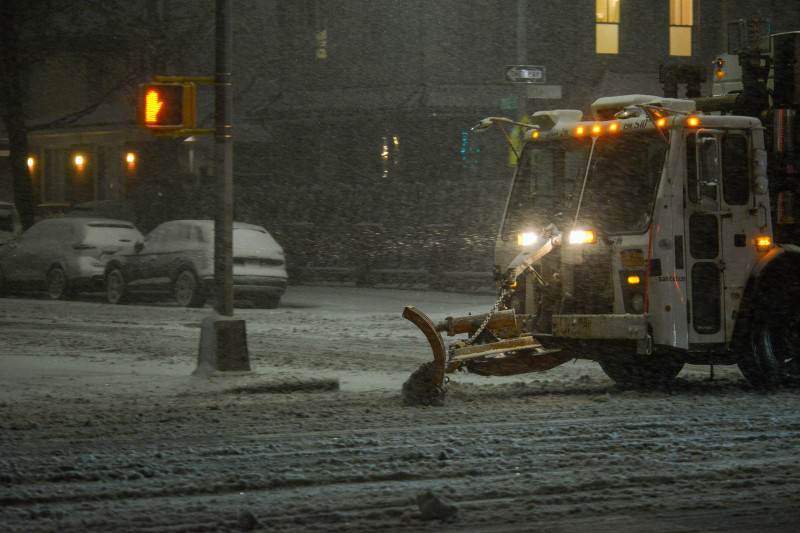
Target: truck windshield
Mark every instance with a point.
(547, 184)
(623, 177)
(620, 188)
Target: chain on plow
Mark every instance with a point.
(505, 293)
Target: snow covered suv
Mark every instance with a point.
(177, 257)
(64, 255)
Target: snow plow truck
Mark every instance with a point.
(656, 233)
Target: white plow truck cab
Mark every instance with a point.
(659, 222)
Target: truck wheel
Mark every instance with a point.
(774, 355)
(188, 291)
(641, 371)
(419, 388)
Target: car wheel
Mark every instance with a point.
(266, 301)
(188, 291)
(57, 284)
(115, 286)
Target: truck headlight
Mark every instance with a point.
(526, 239)
(582, 237)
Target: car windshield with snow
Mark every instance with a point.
(177, 258)
(64, 256)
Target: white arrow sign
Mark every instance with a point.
(525, 73)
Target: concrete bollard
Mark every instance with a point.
(223, 346)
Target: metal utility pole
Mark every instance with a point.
(223, 338)
(223, 162)
(522, 57)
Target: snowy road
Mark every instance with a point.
(103, 428)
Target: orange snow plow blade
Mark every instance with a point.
(427, 327)
(516, 353)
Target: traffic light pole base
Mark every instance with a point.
(223, 346)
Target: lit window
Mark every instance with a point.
(607, 27)
(390, 153)
(680, 27)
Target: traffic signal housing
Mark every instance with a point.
(166, 106)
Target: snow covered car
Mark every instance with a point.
(64, 255)
(177, 257)
(10, 225)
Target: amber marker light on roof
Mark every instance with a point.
(661, 122)
(535, 135)
(580, 130)
(693, 122)
(597, 129)
(613, 127)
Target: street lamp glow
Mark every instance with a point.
(79, 160)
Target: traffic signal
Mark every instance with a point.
(167, 106)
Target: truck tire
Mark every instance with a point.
(639, 372)
(773, 358)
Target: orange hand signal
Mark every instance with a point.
(152, 106)
(166, 107)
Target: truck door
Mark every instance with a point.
(705, 259)
(721, 230)
(739, 228)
